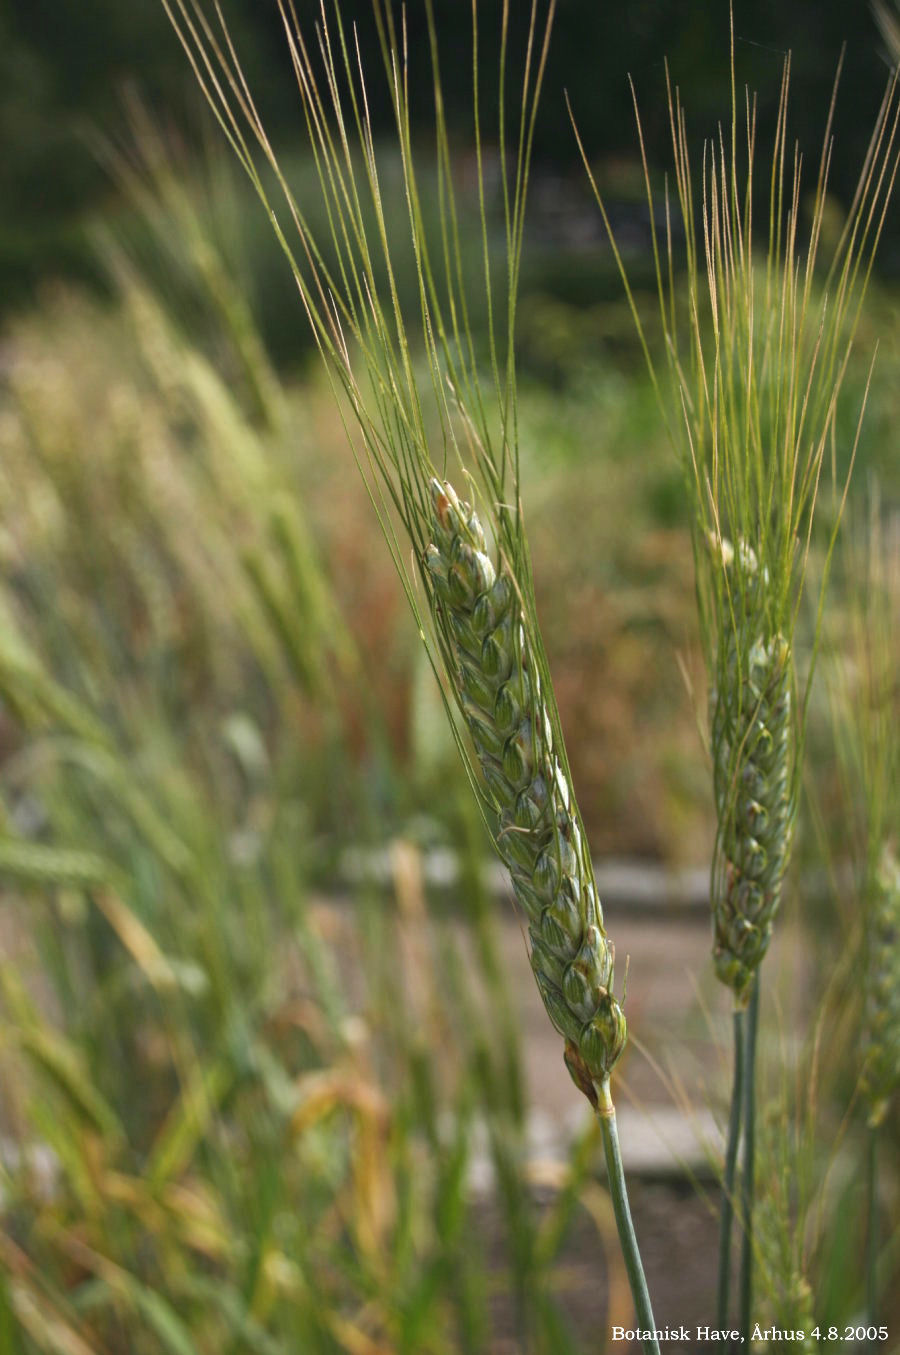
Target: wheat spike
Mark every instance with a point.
(881, 1069)
(538, 835)
(752, 748)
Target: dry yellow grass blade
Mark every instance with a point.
(46, 1328)
(373, 1207)
(53, 1331)
(321, 1092)
(136, 939)
(354, 1340)
(200, 1221)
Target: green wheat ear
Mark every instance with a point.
(756, 353)
(881, 1039)
(753, 755)
(498, 689)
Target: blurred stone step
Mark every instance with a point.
(658, 1143)
(645, 885)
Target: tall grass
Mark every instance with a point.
(223, 1126)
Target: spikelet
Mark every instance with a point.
(881, 1040)
(752, 746)
(538, 835)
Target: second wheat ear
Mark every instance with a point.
(750, 387)
(752, 737)
(881, 1031)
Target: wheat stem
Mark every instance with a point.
(728, 1184)
(872, 1226)
(606, 1113)
(748, 1177)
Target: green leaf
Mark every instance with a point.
(64, 1066)
(160, 1315)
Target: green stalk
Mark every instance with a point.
(731, 1153)
(606, 1113)
(872, 1226)
(747, 1181)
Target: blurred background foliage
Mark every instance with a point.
(64, 69)
(223, 1125)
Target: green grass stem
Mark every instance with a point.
(726, 1219)
(606, 1113)
(748, 1177)
(872, 1232)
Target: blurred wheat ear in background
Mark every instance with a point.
(881, 1036)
